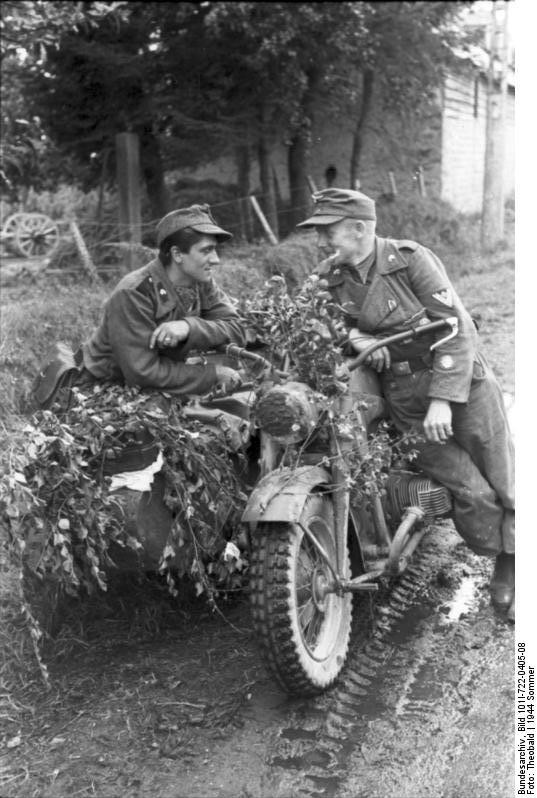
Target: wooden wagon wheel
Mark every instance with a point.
(36, 235)
(8, 229)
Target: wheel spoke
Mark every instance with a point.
(305, 614)
(312, 632)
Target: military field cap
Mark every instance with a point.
(334, 204)
(198, 217)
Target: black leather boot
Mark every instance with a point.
(511, 611)
(502, 584)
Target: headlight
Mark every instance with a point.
(288, 412)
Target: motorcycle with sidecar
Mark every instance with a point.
(312, 540)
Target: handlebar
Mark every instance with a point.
(233, 350)
(236, 351)
(414, 332)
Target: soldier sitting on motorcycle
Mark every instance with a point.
(163, 311)
(385, 287)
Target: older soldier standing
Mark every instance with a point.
(163, 311)
(385, 287)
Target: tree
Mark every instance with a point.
(32, 25)
(289, 56)
(409, 47)
(28, 156)
(98, 82)
(200, 80)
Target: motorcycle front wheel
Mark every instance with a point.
(303, 631)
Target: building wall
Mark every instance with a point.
(389, 144)
(464, 141)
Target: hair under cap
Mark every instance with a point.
(334, 204)
(198, 217)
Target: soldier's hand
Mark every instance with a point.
(227, 378)
(169, 333)
(437, 422)
(380, 359)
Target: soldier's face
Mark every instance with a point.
(344, 237)
(198, 264)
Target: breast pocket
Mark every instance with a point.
(383, 311)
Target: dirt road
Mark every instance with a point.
(424, 707)
(184, 708)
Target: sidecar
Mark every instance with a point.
(138, 483)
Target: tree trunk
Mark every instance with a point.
(242, 160)
(102, 181)
(365, 107)
(153, 172)
(298, 156)
(268, 200)
(298, 166)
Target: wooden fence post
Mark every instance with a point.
(420, 181)
(261, 216)
(128, 181)
(87, 262)
(393, 186)
(311, 184)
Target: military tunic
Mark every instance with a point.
(401, 286)
(119, 349)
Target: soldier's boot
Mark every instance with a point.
(502, 584)
(511, 612)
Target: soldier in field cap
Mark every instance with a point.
(387, 286)
(163, 311)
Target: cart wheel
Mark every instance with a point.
(36, 235)
(9, 228)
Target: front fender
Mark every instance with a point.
(281, 495)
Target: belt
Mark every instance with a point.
(401, 367)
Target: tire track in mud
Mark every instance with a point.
(392, 678)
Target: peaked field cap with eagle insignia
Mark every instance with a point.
(334, 204)
(198, 217)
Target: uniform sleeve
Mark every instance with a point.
(452, 361)
(131, 322)
(219, 322)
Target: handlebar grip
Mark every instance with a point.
(234, 350)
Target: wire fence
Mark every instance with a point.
(107, 243)
(110, 243)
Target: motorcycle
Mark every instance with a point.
(313, 539)
(314, 542)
